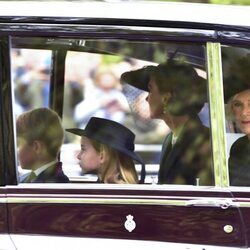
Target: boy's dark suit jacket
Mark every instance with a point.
(189, 158)
(53, 174)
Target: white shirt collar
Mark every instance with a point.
(44, 167)
(174, 139)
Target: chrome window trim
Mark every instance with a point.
(104, 200)
(182, 201)
(53, 197)
(56, 195)
(217, 114)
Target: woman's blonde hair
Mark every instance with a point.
(230, 121)
(117, 167)
(229, 110)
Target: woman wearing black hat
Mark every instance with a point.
(237, 96)
(107, 148)
(176, 95)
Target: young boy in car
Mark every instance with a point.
(39, 137)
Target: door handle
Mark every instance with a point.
(222, 203)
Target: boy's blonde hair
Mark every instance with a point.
(117, 168)
(44, 125)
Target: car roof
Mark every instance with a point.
(136, 10)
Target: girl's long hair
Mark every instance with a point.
(117, 167)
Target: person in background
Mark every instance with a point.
(237, 96)
(39, 139)
(176, 94)
(32, 79)
(107, 149)
(105, 100)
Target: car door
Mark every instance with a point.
(64, 215)
(238, 180)
(176, 215)
(6, 242)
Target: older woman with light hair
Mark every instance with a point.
(237, 96)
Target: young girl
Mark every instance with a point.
(107, 148)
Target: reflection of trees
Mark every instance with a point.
(154, 51)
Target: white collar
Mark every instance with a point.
(44, 167)
(174, 139)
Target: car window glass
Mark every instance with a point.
(93, 87)
(173, 140)
(236, 63)
(31, 80)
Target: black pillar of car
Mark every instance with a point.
(57, 80)
(8, 166)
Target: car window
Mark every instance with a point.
(236, 63)
(94, 87)
(31, 78)
(90, 78)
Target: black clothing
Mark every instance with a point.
(53, 174)
(189, 158)
(239, 162)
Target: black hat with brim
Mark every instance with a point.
(181, 79)
(236, 87)
(176, 75)
(236, 77)
(138, 78)
(110, 133)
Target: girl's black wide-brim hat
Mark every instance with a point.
(110, 133)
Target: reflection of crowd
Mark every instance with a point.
(105, 100)
(31, 77)
(92, 88)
